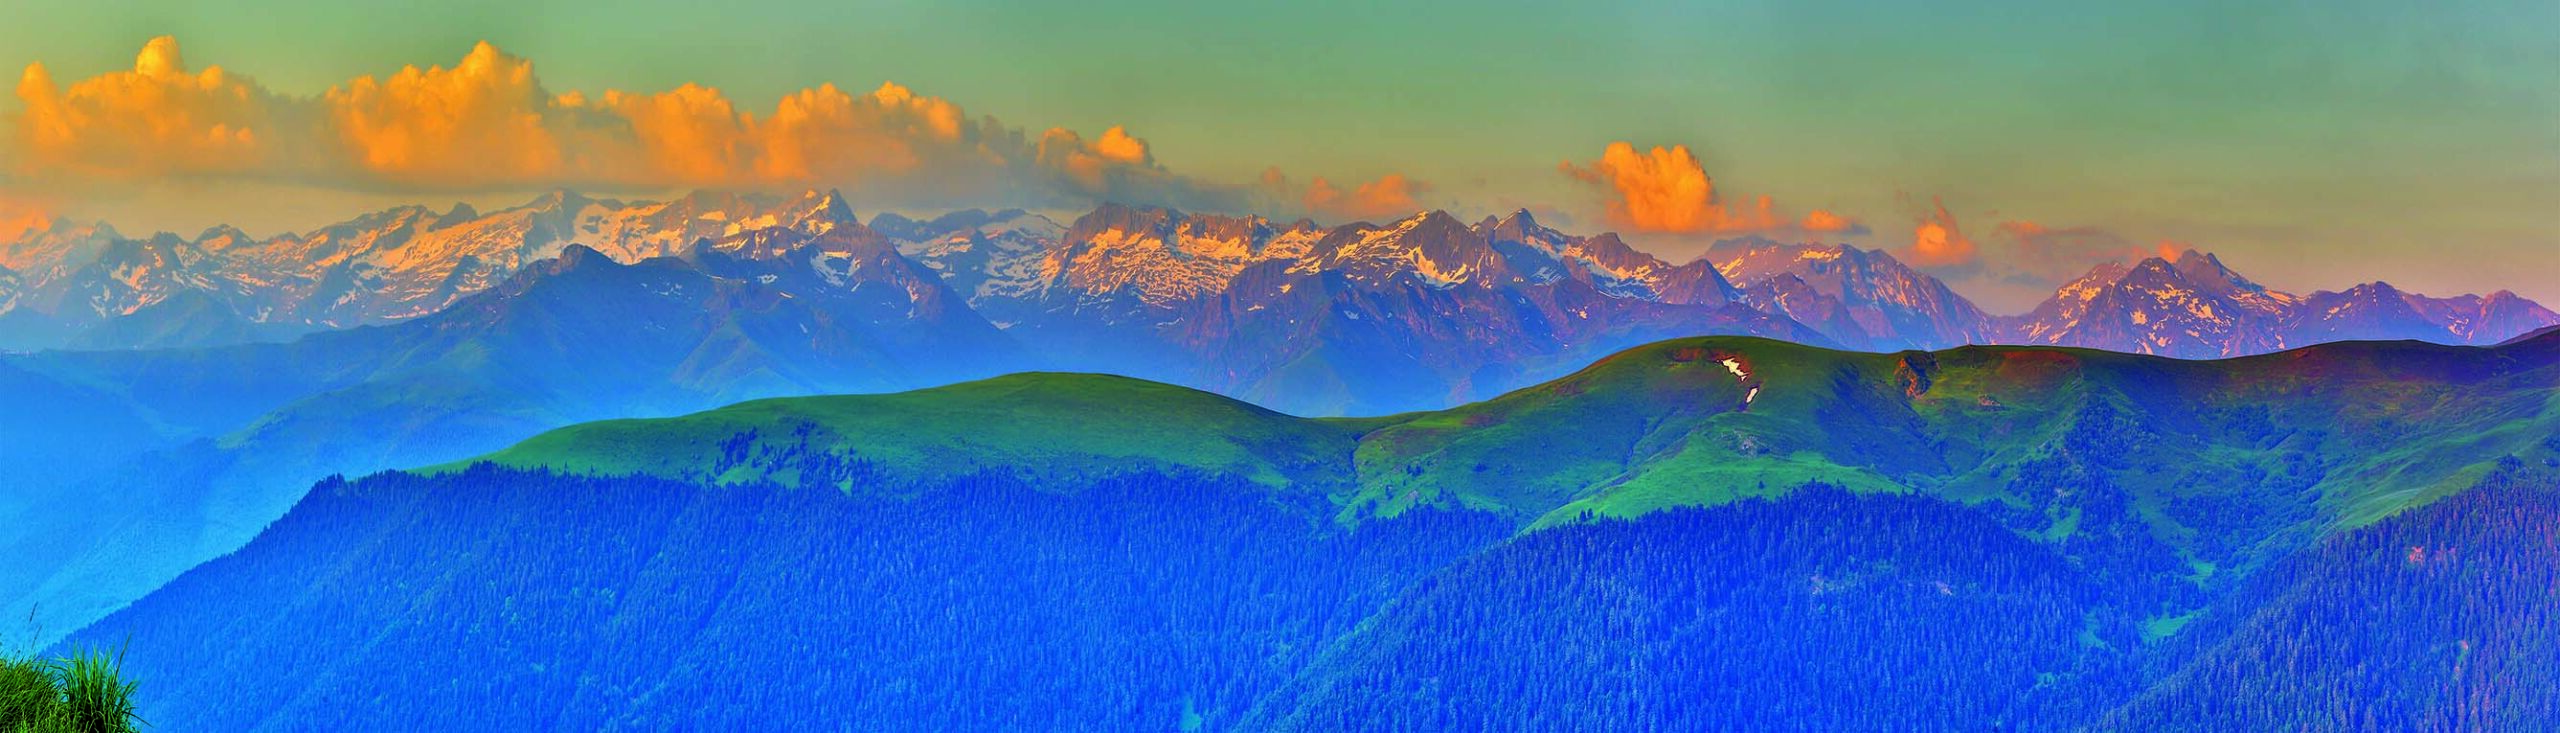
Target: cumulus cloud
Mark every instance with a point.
(1937, 242)
(483, 121)
(691, 135)
(158, 119)
(488, 123)
(1667, 190)
(1819, 220)
(1093, 166)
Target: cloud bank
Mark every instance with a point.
(1389, 196)
(487, 123)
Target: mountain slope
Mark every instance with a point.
(1119, 276)
(627, 605)
(1364, 318)
(2437, 619)
(235, 431)
(2020, 538)
(1863, 298)
(2194, 307)
(1821, 611)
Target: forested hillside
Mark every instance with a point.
(1720, 534)
(503, 600)
(500, 599)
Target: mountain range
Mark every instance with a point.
(243, 367)
(1439, 310)
(1701, 533)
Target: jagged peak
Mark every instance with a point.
(461, 212)
(827, 209)
(222, 232)
(55, 225)
(1742, 244)
(1253, 229)
(2107, 271)
(2158, 265)
(712, 196)
(576, 255)
(560, 199)
(824, 199)
(1609, 242)
(396, 216)
(1439, 220)
(1521, 226)
(2204, 268)
(1113, 215)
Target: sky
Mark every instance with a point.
(2003, 145)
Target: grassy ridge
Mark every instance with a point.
(1051, 423)
(2224, 463)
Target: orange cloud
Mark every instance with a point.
(2170, 250)
(480, 122)
(2023, 229)
(1391, 195)
(158, 119)
(1666, 190)
(20, 216)
(690, 135)
(826, 135)
(1937, 242)
(1093, 165)
(1823, 221)
(487, 123)
(694, 136)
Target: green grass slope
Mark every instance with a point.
(1035, 424)
(2196, 467)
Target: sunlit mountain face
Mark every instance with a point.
(1986, 366)
(1187, 282)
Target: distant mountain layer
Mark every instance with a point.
(1698, 533)
(1205, 299)
(2194, 307)
(218, 374)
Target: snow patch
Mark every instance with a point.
(1742, 373)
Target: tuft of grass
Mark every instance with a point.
(27, 694)
(83, 693)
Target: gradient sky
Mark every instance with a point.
(2311, 145)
